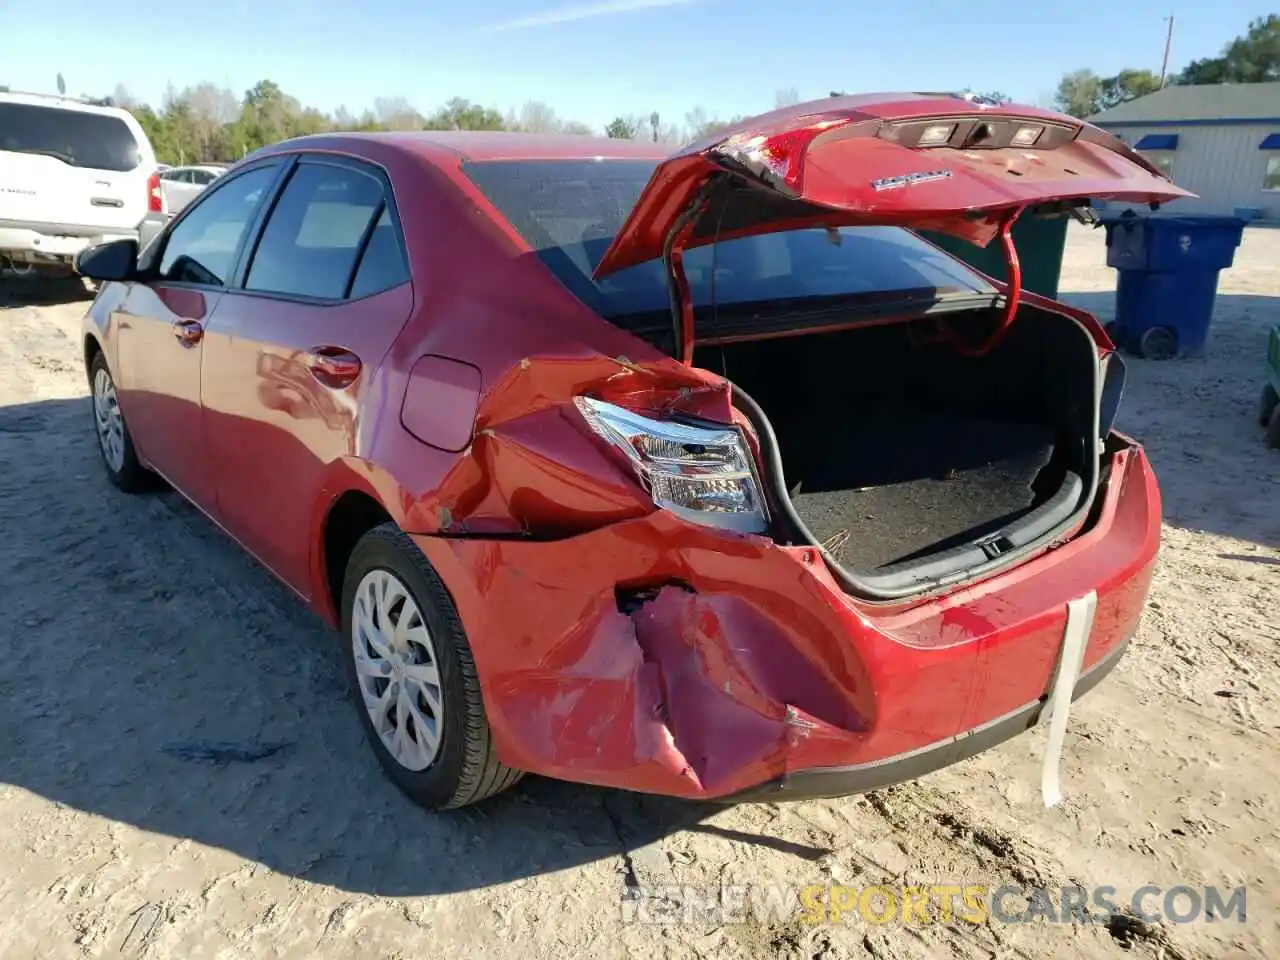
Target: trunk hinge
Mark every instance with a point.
(1012, 294)
(673, 260)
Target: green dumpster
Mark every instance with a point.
(1040, 242)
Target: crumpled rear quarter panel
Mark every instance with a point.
(744, 661)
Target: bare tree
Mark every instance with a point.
(344, 119)
(212, 103)
(122, 98)
(396, 113)
(536, 117)
(698, 124)
(202, 112)
(695, 121)
(788, 97)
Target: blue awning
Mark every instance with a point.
(1158, 141)
(1272, 142)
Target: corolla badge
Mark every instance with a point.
(910, 179)
(1184, 242)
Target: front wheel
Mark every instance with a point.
(413, 678)
(114, 442)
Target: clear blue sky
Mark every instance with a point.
(594, 59)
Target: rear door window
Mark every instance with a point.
(382, 265)
(93, 140)
(202, 247)
(326, 217)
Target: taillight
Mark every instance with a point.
(704, 473)
(777, 155)
(155, 196)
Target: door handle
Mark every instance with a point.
(333, 366)
(188, 332)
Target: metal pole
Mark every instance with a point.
(1168, 42)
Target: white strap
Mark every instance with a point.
(1058, 709)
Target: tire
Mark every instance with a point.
(463, 767)
(115, 444)
(1273, 429)
(1267, 404)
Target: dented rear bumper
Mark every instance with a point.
(657, 655)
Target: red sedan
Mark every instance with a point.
(702, 475)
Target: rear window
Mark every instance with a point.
(94, 140)
(569, 211)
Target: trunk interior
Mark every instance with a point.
(912, 464)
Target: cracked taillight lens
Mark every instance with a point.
(703, 472)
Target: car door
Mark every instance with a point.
(290, 356)
(181, 189)
(160, 326)
(169, 186)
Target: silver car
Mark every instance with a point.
(181, 185)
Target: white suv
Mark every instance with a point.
(72, 174)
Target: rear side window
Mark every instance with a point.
(327, 217)
(93, 140)
(202, 247)
(382, 265)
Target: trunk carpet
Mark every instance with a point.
(903, 485)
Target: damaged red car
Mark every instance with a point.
(702, 475)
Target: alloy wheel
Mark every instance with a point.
(397, 670)
(107, 419)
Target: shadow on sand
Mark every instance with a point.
(132, 624)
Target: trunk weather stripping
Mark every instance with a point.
(673, 259)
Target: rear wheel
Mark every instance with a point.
(413, 678)
(114, 442)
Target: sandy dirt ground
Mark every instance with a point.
(132, 627)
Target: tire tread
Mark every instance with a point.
(132, 477)
(482, 775)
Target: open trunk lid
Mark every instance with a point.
(941, 162)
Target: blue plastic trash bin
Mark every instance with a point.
(1169, 270)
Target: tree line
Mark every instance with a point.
(1253, 57)
(209, 123)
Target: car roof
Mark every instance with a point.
(59, 103)
(465, 145)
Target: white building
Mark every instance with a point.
(1220, 141)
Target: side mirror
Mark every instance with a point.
(117, 260)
